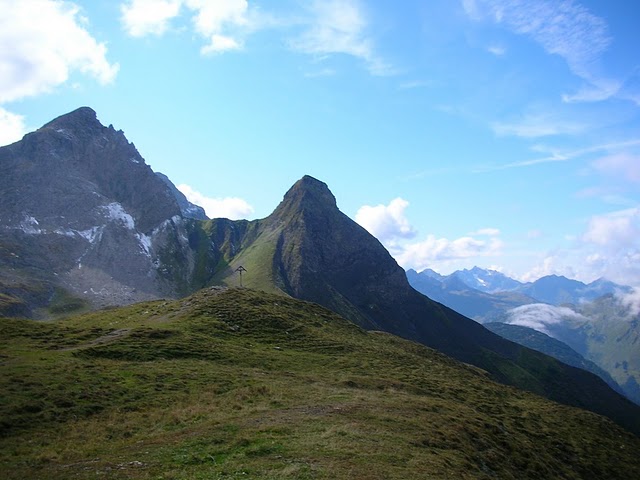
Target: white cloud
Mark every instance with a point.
(497, 50)
(389, 225)
(609, 247)
(41, 43)
(549, 265)
(220, 43)
(386, 222)
(340, 27)
(12, 127)
(148, 17)
(540, 316)
(624, 165)
(220, 22)
(213, 18)
(433, 251)
(602, 90)
(233, 208)
(620, 229)
(631, 301)
(561, 27)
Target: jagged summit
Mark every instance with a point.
(307, 194)
(311, 189)
(78, 120)
(81, 211)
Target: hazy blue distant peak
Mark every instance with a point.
(487, 280)
(558, 290)
(431, 273)
(552, 289)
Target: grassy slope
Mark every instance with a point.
(243, 384)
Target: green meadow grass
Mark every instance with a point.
(243, 384)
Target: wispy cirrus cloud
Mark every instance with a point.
(340, 27)
(561, 27)
(539, 125)
(497, 50)
(560, 155)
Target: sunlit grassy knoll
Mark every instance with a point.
(243, 384)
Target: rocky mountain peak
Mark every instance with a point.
(78, 129)
(82, 211)
(308, 193)
(79, 119)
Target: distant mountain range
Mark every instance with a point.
(589, 319)
(552, 289)
(85, 224)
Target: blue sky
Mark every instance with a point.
(498, 133)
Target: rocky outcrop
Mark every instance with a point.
(83, 212)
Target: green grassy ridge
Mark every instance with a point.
(243, 384)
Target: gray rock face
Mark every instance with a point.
(82, 211)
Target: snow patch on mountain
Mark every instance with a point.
(115, 211)
(145, 243)
(92, 234)
(30, 225)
